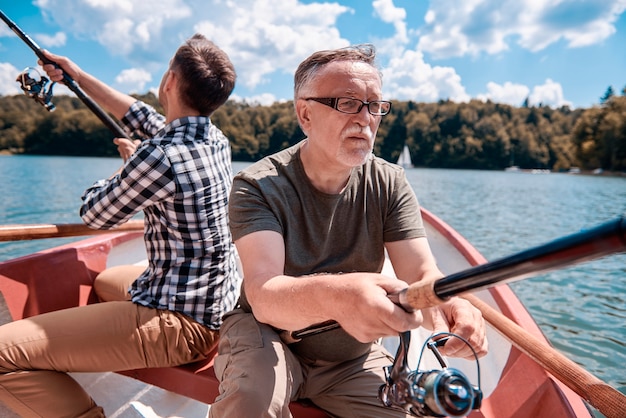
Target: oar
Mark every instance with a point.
(71, 84)
(39, 231)
(599, 394)
(605, 239)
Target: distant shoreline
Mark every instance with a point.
(573, 171)
(535, 171)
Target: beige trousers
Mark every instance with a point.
(259, 376)
(36, 352)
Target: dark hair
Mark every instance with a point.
(207, 76)
(310, 67)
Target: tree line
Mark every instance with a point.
(473, 135)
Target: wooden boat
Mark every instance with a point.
(513, 385)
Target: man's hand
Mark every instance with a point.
(63, 64)
(365, 310)
(462, 318)
(126, 147)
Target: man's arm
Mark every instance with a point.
(413, 261)
(357, 301)
(111, 100)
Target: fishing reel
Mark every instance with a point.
(35, 87)
(434, 393)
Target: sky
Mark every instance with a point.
(551, 52)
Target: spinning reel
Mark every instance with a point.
(438, 393)
(35, 87)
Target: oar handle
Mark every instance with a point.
(69, 81)
(605, 239)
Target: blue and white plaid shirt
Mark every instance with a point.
(180, 178)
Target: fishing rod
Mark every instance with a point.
(600, 241)
(36, 89)
(586, 245)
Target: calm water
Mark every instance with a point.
(581, 309)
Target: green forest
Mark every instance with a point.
(474, 135)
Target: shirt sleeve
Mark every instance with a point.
(143, 120)
(404, 217)
(146, 178)
(248, 209)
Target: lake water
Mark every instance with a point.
(581, 309)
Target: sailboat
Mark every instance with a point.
(405, 158)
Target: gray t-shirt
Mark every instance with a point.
(324, 233)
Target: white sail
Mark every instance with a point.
(405, 158)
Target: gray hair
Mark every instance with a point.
(308, 69)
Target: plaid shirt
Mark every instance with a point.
(180, 178)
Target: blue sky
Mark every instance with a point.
(554, 52)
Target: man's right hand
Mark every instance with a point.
(126, 147)
(63, 64)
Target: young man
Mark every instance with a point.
(311, 224)
(180, 177)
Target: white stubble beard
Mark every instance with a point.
(356, 156)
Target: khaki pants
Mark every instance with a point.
(259, 376)
(36, 352)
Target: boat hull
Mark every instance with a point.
(513, 385)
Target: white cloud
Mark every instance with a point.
(509, 93)
(408, 77)
(258, 39)
(133, 80)
(145, 29)
(47, 41)
(5, 31)
(266, 44)
(550, 94)
(475, 26)
(8, 85)
(264, 99)
(388, 13)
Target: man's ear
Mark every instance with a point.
(169, 79)
(303, 113)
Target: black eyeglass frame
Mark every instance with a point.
(334, 103)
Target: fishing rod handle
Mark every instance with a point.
(417, 296)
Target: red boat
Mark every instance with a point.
(513, 384)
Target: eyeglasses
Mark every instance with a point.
(352, 106)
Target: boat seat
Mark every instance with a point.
(198, 381)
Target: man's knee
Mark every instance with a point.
(112, 284)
